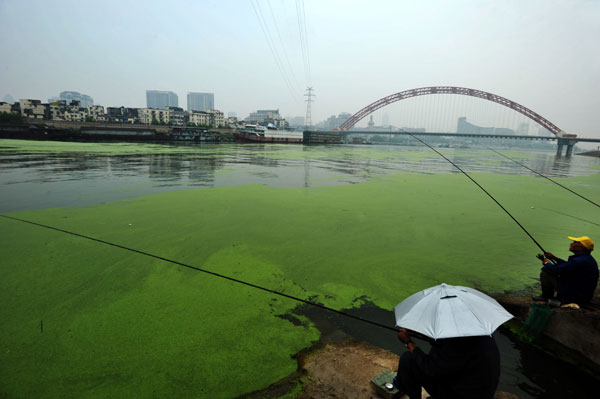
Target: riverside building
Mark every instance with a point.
(84, 100)
(161, 99)
(267, 116)
(209, 117)
(200, 101)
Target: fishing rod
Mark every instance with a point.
(545, 177)
(482, 189)
(271, 291)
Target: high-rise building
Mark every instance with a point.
(523, 129)
(385, 119)
(469, 128)
(200, 101)
(267, 116)
(70, 96)
(161, 99)
(8, 99)
(295, 120)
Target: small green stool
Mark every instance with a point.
(380, 380)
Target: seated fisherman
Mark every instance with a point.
(573, 280)
(465, 368)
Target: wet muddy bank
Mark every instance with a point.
(350, 352)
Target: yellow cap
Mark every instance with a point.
(585, 241)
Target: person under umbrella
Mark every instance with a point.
(464, 361)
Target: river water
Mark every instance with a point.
(74, 176)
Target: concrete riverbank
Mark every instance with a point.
(571, 334)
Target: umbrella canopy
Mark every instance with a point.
(448, 311)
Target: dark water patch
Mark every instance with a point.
(525, 371)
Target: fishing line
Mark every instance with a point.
(545, 177)
(571, 216)
(483, 189)
(271, 291)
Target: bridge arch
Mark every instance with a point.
(422, 91)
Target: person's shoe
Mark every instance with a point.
(539, 298)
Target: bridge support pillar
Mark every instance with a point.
(559, 148)
(569, 143)
(569, 150)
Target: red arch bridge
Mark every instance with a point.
(562, 138)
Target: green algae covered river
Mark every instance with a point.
(342, 225)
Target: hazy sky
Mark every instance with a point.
(542, 54)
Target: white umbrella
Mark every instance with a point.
(449, 311)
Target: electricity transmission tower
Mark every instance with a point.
(310, 95)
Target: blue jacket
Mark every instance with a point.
(577, 277)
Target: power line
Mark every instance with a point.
(264, 27)
(306, 43)
(283, 46)
(301, 16)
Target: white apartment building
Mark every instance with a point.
(209, 117)
(57, 110)
(96, 112)
(200, 118)
(147, 115)
(6, 107)
(230, 121)
(74, 116)
(177, 116)
(217, 117)
(33, 109)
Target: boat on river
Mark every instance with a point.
(193, 135)
(267, 134)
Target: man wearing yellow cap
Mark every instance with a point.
(574, 280)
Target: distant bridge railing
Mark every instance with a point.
(436, 134)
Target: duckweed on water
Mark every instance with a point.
(120, 324)
(272, 151)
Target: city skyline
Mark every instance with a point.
(358, 53)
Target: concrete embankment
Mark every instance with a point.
(572, 334)
(70, 131)
(81, 131)
(595, 153)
